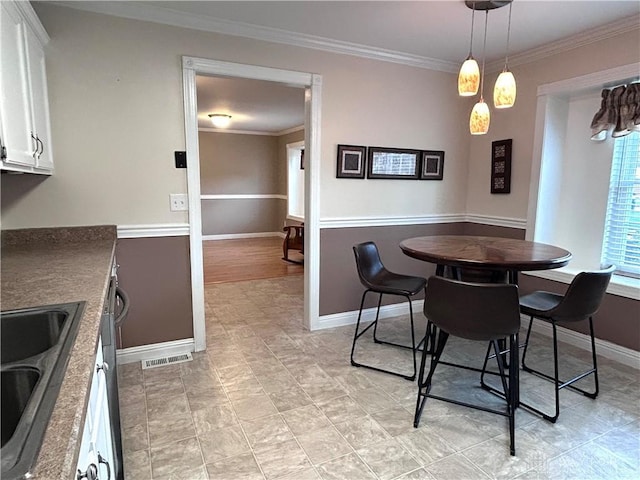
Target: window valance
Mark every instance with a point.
(619, 112)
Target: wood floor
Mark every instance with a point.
(247, 259)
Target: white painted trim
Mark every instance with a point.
(33, 21)
(155, 350)
(421, 220)
(287, 131)
(234, 236)
(587, 37)
(313, 85)
(602, 79)
(280, 133)
(295, 218)
(195, 214)
(313, 124)
(520, 223)
(238, 132)
(163, 15)
(153, 230)
(606, 349)
(368, 315)
(243, 196)
(619, 285)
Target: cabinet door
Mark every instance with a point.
(39, 99)
(14, 89)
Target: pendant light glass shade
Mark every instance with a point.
(469, 78)
(480, 118)
(504, 91)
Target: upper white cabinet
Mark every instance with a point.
(25, 134)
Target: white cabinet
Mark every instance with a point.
(96, 458)
(25, 134)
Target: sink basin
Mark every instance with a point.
(29, 333)
(35, 345)
(17, 387)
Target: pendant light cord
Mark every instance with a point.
(473, 13)
(506, 54)
(484, 54)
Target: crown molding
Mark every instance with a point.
(149, 13)
(167, 16)
(581, 39)
(252, 132)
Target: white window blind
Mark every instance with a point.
(622, 228)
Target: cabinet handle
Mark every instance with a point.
(90, 474)
(104, 367)
(103, 461)
(35, 142)
(41, 146)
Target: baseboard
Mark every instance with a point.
(233, 236)
(609, 350)
(155, 350)
(368, 315)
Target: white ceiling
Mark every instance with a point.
(432, 34)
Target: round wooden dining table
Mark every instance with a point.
(488, 253)
(485, 253)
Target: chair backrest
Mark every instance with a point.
(368, 263)
(583, 297)
(476, 311)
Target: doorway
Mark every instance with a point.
(312, 85)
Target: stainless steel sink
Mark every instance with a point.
(17, 387)
(35, 345)
(42, 328)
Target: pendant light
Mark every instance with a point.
(469, 76)
(480, 115)
(504, 91)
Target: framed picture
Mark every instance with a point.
(432, 165)
(395, 163)
(351, 161)
(501, 166)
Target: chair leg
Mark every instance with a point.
(526, 344)
(424, 385)
(357, 334)
(558, 384)
(514, 390)
(375, 324)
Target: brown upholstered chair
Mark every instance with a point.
(293, 240)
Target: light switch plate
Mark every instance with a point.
(179, 202)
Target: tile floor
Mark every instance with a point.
(269, 400)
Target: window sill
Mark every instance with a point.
(619, 285)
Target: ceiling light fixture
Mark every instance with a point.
(469, 76)
(504, 93)
(220, 120)
(480, 115)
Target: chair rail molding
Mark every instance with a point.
(352, 222)
(153, 230)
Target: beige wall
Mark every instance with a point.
(518, 122)
(115, 89)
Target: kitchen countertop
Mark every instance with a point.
(46, 266)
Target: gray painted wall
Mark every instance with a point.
(160, 310)
(241, 164)
(341, 290)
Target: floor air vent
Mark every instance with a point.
(161, 362)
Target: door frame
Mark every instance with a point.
(192, 66)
